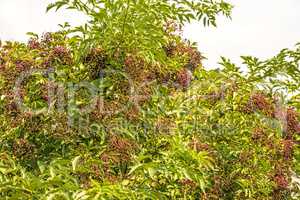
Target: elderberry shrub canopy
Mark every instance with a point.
(122, 108)
(138, 26)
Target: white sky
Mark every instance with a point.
(259, 27)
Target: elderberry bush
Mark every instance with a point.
(122, 108)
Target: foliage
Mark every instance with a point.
(94, 125)
(138, 26)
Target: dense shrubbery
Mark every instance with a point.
(122, 118)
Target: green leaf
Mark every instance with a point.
(75, 162)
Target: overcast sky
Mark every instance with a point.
(258, 27)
